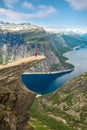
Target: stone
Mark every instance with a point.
(15, 98)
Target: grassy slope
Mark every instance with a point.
(69, 103)
(71, 41)
(41, 119)
(36, 37)
(74, 40)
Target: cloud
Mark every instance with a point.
(78, 4)
(43, 11)
(40, 11)
(10, 3)
(28, 5)
(46, 11)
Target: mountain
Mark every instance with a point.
(66, 108)
(22, 40)
(73, 40)
(62, 109)
(65, 30)
(84, 35)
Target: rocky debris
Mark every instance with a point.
(15, 98)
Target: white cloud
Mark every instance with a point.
(78, 4)
(43, 12)
(28, 5)
(40, 11)
(67, 30)
(46, 10)
(10, 3)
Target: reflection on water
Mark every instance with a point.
(44, 84)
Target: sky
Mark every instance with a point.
(52, 13)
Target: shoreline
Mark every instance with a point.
(55, 72)
(58, 72)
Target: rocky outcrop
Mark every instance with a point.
(15, 98)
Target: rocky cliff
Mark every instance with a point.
(15, 98)
(21, 40)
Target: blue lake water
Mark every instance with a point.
(46, 83)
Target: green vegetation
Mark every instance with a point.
(63, 59)
(20, 37)
(71, 41)
(74, 40)
(45, 120)
(1, 60)
(59, 47)
(69, 103)
(40, 127)
(54, 67)
(36, 37)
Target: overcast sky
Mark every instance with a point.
(61, 13)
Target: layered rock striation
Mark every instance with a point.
(15, 98)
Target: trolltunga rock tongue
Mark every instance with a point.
(15, 99)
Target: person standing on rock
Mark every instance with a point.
(35, 53)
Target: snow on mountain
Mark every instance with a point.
(65, 30)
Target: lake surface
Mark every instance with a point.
(79, 59)
(43, 84)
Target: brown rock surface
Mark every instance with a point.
(15, 98)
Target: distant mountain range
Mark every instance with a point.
(65, 30)
(84, 35)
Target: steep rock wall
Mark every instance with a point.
(15, 98)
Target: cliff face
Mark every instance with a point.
(22, 40)
(15, 98)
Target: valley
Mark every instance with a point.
(63, 109)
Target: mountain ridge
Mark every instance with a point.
(27, 38)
